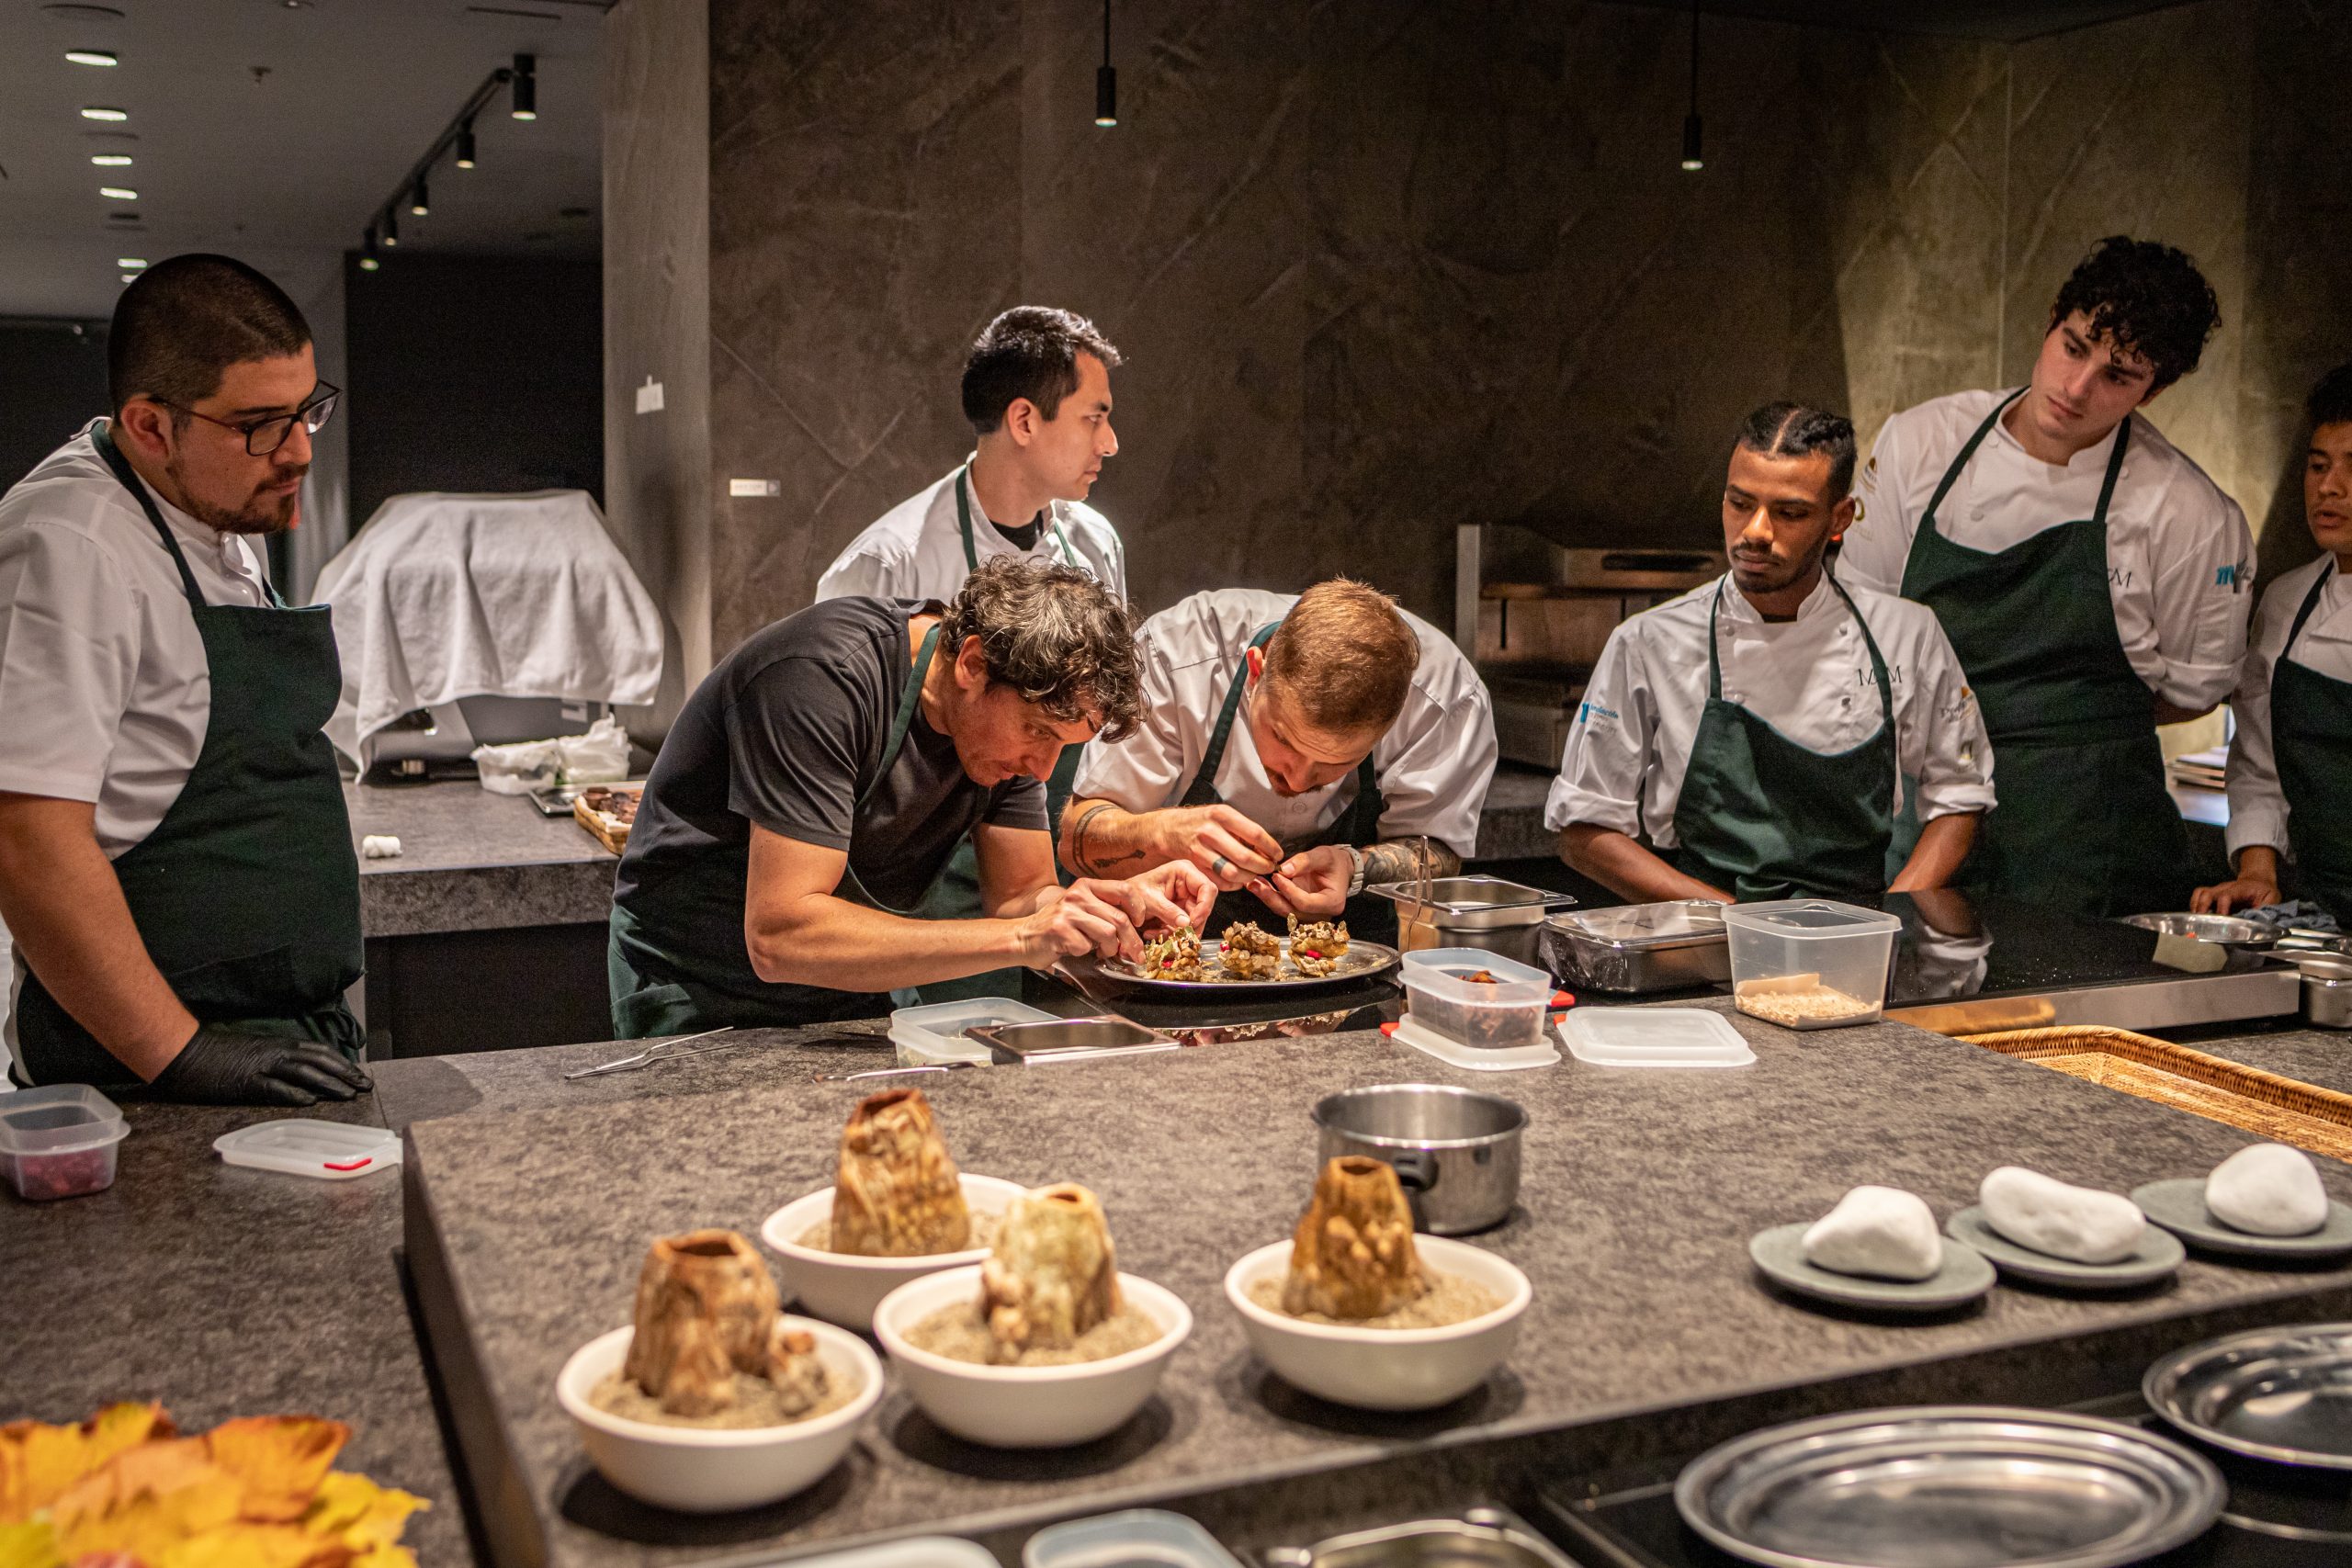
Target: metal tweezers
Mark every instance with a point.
(661, 1051)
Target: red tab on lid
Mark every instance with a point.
(362, 1163)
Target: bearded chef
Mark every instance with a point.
(2093, 580)
(175, 861)
(1750, 739)
(1297, 748)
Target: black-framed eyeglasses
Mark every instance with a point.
(264, 437)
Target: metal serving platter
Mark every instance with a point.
(2229, 931)
(1360, 962)
(1949, 1486)
(2283, 1394)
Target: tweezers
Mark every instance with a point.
(661, 1051)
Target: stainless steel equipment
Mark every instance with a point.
(1069, 1039)
(1456, 1151)
(2327, 990)
(2283, 1394)
(1485, 912)
(1481, 1538)
(2227, 930)
(1533, 616)
(1639, 947)
(1950, 1486)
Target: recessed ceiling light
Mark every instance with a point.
(111, 160)
(118, 193)
(133, 264)
(92, 57)
(128, 277)
(94, 112)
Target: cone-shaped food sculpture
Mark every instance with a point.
(794, 1368)
(1352, 1256)
(706, 1310)
(895, 1192)
(1052, 1275)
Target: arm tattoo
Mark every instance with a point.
(1394, 861)
(1077, 834)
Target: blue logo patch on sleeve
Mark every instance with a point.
(2227, 577)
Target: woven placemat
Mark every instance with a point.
(2284, 1110)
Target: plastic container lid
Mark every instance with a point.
(300, 1146)
(1139, 1538)
(1809, 919)
(60, 1120)
(1654, 1037)
(922, 1552)
(1511, 1058)
(935, 1033)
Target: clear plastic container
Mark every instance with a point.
(927, 1035)
(1139, 1538)
(59, 1142)
(1501, 1012)
(1810, 963)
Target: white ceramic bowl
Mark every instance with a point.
(844, 1289)
(702, 1470)
(1027, 1407)
(1385, 1368)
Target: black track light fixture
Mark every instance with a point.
(1692, 159)
(526, 82)
(466, 145)
(418, 201)
(368, 260)
(391, 227)
(1106, 81)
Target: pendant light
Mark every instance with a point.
(419, 202)
(466, 145)
(368, 260)
(1106, 81)
(1691, 161)
(391, 226)
(525, 83)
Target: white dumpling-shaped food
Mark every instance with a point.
(2269, 1190)
(2077, 1223)
(1882, 1232)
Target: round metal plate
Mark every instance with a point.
(2283, 1394)
(2180, 1206)
(2157, 1256)
(2229, 931)
(1780, 1253)
(1948, 1486)
(1361, 961)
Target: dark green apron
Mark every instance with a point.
(246, 895)
(2082, 821)
(2311, 736)
(1762, 816)
(1373, 919)
(659, 992)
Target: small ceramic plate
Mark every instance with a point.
(2180, 1206)
(2157, 1256)
(1780, 1252)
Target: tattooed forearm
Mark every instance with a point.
(1074, 839)
(1395, 860)
(1102, 841)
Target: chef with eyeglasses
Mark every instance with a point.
(176, 860)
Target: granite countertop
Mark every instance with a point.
(1510, 823)
(2321, 1058)
(1639, 1193)
(473, 861)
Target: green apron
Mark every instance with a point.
(2311, 736)
(660, 992)
(246, 895)
(1373, 919)
(1763, 818)
(2082, 822)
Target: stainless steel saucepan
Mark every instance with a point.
(1456, 1151)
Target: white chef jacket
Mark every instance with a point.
(1433, 765)
(105, 690)
(2179, 558)
(2257, 809)
(915, 551)
(1810, 679)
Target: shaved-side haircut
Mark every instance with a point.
(182, 323)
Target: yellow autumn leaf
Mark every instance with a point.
(247, 1545)
(279, 1461)
(29, 1546)
(385, 1556)
(355, 1510)
(37, 1462)
(144, 1499)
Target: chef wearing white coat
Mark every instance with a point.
(2290, 763)
(2093, 580)
(1750, 739)
(1294, 747)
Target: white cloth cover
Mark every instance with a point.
(1882, 1232)
(2267, 1190)
(2046, 1215)
(445, 596)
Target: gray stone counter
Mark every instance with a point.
(1510, 823)
(473, 861)
(2321, 1058)
(1641, 1189)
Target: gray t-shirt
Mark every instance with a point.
(787, 733)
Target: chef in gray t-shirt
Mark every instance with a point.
(816, 782)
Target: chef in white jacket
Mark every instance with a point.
(1750, 739)
(2290, 763)
(2093, 580)
(1297, 748)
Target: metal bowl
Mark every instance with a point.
(1456, 1151)
(2224, 931)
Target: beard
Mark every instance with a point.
(261, 513)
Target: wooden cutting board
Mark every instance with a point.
(604, 827)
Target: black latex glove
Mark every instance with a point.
(224, 1065)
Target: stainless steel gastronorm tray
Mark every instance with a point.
(1950, 1486)
(2283, 1393)
(1361, 961)
(1069, 1039)
(1640, 947)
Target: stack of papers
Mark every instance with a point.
(2201, 770)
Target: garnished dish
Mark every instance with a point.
(1176, 956)
(1049, 1292)
(125, 1487)
(1248, 953)
(711, 1348)
(1353, 1261)
(1316, 947)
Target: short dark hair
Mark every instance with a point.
(2148, 298)
(1029, 352)
(1054, 635)
(183, 322)
(1792, 430)
(2331, 400)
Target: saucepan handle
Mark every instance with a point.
(1415, 1169)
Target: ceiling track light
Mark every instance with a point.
(1106, 81)
(466, 145)
(368, 260)
(1692, 160)
(520, 80)
(525, 83)
(419, 204)
(391, 227)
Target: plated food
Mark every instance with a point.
(1877, 1248)
(1246, 954)
(2262, 1201)
(608, 813)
